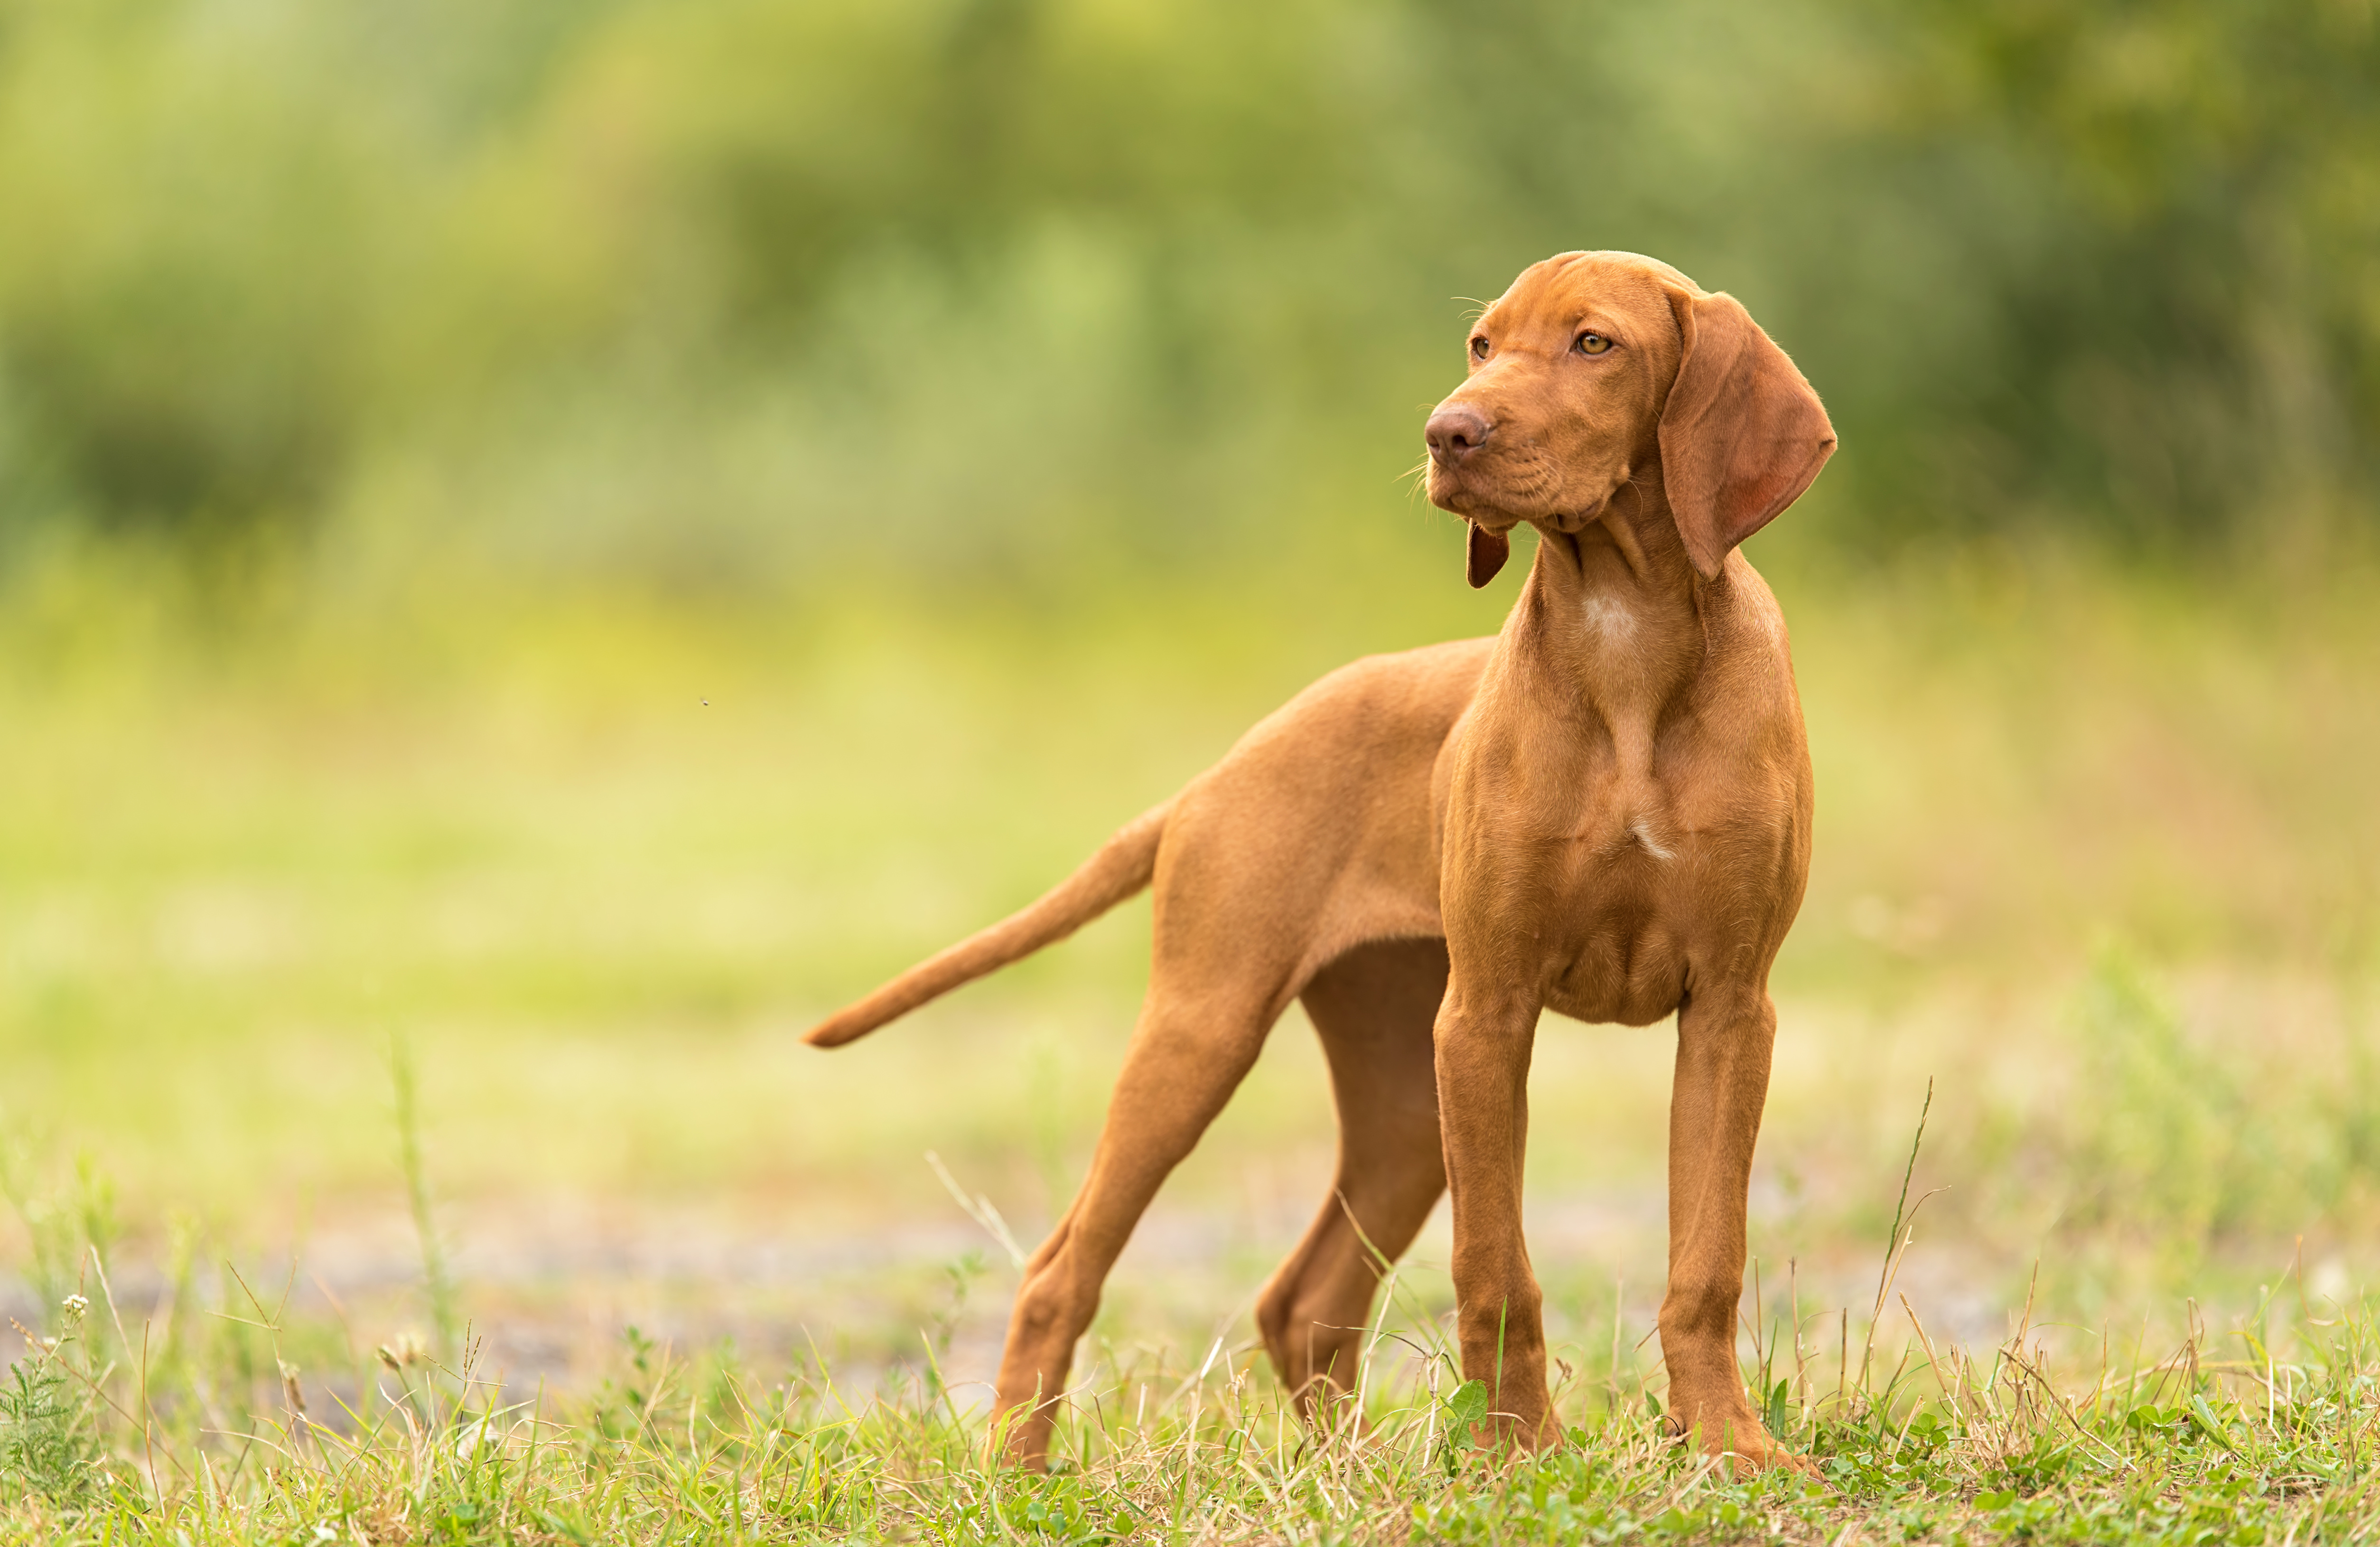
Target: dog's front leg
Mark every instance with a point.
(1483, 1039)
(1725, 1039)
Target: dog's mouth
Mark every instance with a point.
(1488, 501)
(1498, 510)
(1488, 542)
(1499, 520)
(1459, 493)
(1496, 522)
(1501, 496)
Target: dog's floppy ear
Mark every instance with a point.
(1742, 435)
(1484, 552)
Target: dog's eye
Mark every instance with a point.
(1479, 347)
(1591, 343)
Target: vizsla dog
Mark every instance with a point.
(1603, 811)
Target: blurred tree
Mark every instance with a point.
(726, 288)
(182, 307)
(2191, 337)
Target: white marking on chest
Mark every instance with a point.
(1608, 620)
(1642, 831)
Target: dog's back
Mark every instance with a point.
(1316, 824)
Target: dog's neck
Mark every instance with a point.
(1614, 611)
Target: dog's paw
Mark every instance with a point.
(1747, 1463)
(1749, 1448)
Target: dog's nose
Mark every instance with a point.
(1454, 433)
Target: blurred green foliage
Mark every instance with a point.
(718, 290)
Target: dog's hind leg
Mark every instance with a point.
(1315, 827)
(1188, 1053)
(1373, 1010)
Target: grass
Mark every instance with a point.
(2261, 1434)
(2097, 860)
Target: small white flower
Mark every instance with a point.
(478, 1434)
(75, 1305)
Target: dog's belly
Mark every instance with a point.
(1634, 902)
(1624, 968)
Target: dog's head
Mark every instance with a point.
(1598, 368)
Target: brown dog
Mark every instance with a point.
(1605, 811)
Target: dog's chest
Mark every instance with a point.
(1628, 809)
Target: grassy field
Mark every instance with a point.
(2098, 862)
(2267, 1441)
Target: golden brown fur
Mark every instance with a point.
(1603, 811)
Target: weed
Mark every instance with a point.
(47, 1446)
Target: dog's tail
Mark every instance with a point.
(1121, 868)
